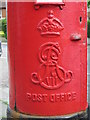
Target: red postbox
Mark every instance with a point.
(47, 52)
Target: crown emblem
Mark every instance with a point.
(50, 25)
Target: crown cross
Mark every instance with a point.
(50, 25)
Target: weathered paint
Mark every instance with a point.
(47, 58)
(77, 116)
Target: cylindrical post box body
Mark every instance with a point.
(47, 52)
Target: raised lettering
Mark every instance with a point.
(57, 97)
(52, 97)
(69, 97)
(34, 97)
(44, 97)
(39, 97)
(28, 96)
(74, 96)
(62, 97)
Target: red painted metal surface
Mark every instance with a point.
(47, 53)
